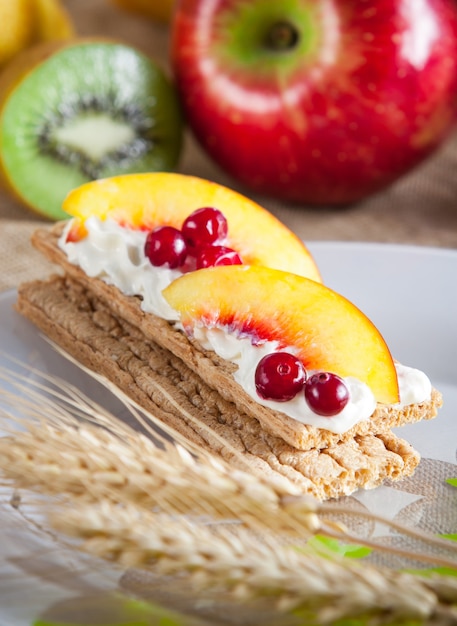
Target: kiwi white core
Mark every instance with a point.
(94, 135)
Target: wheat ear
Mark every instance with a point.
(67, 453)
(111, 479)
(246, 567)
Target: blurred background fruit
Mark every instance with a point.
(322, 102)
(26, 22)
(16, 27)
(77, 110)
(52, 21)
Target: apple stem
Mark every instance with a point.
(282, 36)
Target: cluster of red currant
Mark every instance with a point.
(280, 376)
(197, 245)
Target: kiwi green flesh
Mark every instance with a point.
(89, 111)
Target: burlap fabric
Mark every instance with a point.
(419, 209)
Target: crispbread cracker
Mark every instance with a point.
(217, 372)
(83, 325)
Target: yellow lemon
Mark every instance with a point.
(52, 21)
(16, 27)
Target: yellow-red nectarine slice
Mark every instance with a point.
(145, 201)
(328, 332)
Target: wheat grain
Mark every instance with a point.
(244, 566)
(94, 463)
(67, 453)
(135, 500)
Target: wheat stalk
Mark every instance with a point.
(246, 567)
(67, 453)
(112, 478)
(56, 452)
(91, 463)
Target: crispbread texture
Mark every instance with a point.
(217, 372)
(84, 326)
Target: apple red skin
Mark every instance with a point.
(374, 97)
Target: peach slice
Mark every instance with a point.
(144, 201)
(328, 332)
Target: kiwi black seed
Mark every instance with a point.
(89, 111)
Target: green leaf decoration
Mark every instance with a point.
(445, 571)
(324, 545)
(452, 482)
(451, 536)
(366, 620)
(111, 608)
(430, 571)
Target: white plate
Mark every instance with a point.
(411, 295)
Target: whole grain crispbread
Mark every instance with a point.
(217, 372)
(85, 326)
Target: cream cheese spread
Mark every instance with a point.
(116, 255)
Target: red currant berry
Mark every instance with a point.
(326, 394)
(210, 256)
(279, 376)
(165, 245)
(204, 226)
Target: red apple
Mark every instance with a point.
(322, 101)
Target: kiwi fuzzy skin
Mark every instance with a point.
(22, 65)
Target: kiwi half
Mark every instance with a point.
(88, 110)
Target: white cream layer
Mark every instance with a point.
(116, 255)
(414, 385)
